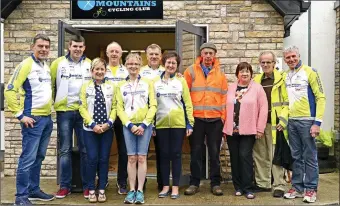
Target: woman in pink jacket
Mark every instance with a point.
(247, 111)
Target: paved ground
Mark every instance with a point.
(328, 194)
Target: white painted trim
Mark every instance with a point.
(2, 133)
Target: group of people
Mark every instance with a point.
(96, 99)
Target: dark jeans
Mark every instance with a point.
(34, 145)
(158, 164)
(122, 174)
(213, 132)
(241, 158)
(304, 152)
(170, 143)
(98, 148)
(66, 123)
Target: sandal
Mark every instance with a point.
(92, 197)
(238, 193)
(250, 195)
(101, 197)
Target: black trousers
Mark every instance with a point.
(158, 165)
(122, 153)
(213, 132)
(170, 143)
(241, 158)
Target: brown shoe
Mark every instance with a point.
(217, 190)
(191, 190)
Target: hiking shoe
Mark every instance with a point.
(278, 193)
(86, 193)
(62, 193)
(139, 197)
(191, 190)
(292, 193)
(130, 197)
(310, 196)
(122, 189)
(22, 201)
(217, 190)
(41, 196)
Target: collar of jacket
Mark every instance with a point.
(216, 65)
(36, 60)
(128, 77)
(298, 65)
(276, 74)
(171, 75)
(68, 56)
(94, 81)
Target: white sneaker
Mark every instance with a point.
(310, 196)
(292, 193)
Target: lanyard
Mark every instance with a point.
(133, 94)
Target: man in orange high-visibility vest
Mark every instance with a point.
(208, 91)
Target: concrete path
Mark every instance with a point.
(328, 194)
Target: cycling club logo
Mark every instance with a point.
(86, 5)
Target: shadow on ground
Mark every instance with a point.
(328, 194)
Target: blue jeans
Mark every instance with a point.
(34, 145)
(98, 148)
(137, 145)
(66, 123)
(304, 152)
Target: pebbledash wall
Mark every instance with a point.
(240, 30)
(337, 81)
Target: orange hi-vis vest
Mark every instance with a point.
(208, 94)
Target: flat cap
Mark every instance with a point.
(208, 45)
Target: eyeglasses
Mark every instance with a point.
(168, 62)
(264, 63)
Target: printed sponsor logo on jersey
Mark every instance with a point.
(76, 76)
(44, 79)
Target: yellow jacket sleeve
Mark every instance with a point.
(120, 107)
(320, 99)
(113, 113)
(88, 121)
(188, 103)
(152, 105)
(13, 87)
(283, 116)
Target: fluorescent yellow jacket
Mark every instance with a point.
(136, 105)
(87, 98)
(67, 79)
(174, 106)
(279, 102)
(149, 73)
(32, 81)
(305, 92)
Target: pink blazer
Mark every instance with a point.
(253, 110)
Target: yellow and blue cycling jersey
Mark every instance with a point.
(174, 106)
(305, 93)
(67, 79)
(151, 74)
(87, 106)
(32, 81)
(136, 103)
(116, 74)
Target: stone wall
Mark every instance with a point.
(240, 30)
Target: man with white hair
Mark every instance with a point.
(306, 108)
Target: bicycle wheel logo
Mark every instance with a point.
(86, 5)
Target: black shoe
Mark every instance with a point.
(278, 193)
(261, 189)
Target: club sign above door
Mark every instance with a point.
(128, 9)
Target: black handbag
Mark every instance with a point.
(282, 155)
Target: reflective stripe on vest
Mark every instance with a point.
(279, 104)
(210, 89)
(214, 108)
(283, 120)
(192, 73)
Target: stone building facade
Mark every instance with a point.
(240, 30)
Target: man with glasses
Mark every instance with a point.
(264, 148)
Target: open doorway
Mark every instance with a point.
(182, 37)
